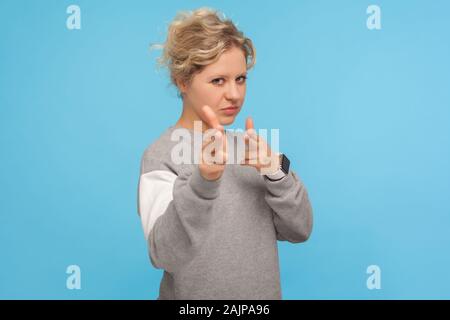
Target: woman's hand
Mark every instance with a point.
(214, 147)
(257, 152)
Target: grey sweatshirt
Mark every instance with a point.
(217, 239)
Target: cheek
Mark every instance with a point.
(208, 95)
(211, 96)
(243, 90)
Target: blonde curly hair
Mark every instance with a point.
(196, 39)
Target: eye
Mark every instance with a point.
(243, 79)
(216, 81)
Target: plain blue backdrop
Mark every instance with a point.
(363, 115)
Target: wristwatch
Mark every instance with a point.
(282, 171)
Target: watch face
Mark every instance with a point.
(285, 163)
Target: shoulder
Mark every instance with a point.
(157, 155)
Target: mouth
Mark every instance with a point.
(230, 110)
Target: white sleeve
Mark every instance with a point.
(155, 194)
(176, 213)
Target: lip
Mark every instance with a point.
(230, 110)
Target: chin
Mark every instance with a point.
(227, 120)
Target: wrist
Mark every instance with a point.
(281, 170)
(273, 165)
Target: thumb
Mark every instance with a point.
(249, 123)
(210, 118)
(249, 126)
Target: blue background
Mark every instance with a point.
(363, 115)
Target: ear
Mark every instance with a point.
(182, 87)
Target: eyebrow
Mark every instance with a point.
(224, 76)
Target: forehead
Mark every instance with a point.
(231, 63)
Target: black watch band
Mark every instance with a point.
(285, 163)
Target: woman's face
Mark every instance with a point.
(219, 85)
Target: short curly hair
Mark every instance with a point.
(196, 39)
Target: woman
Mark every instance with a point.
(213, 224)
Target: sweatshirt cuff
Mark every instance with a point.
(207, 189)
(280, 187)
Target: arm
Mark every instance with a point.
(175, 213)
(292, 211)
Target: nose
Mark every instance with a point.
(232, 92)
